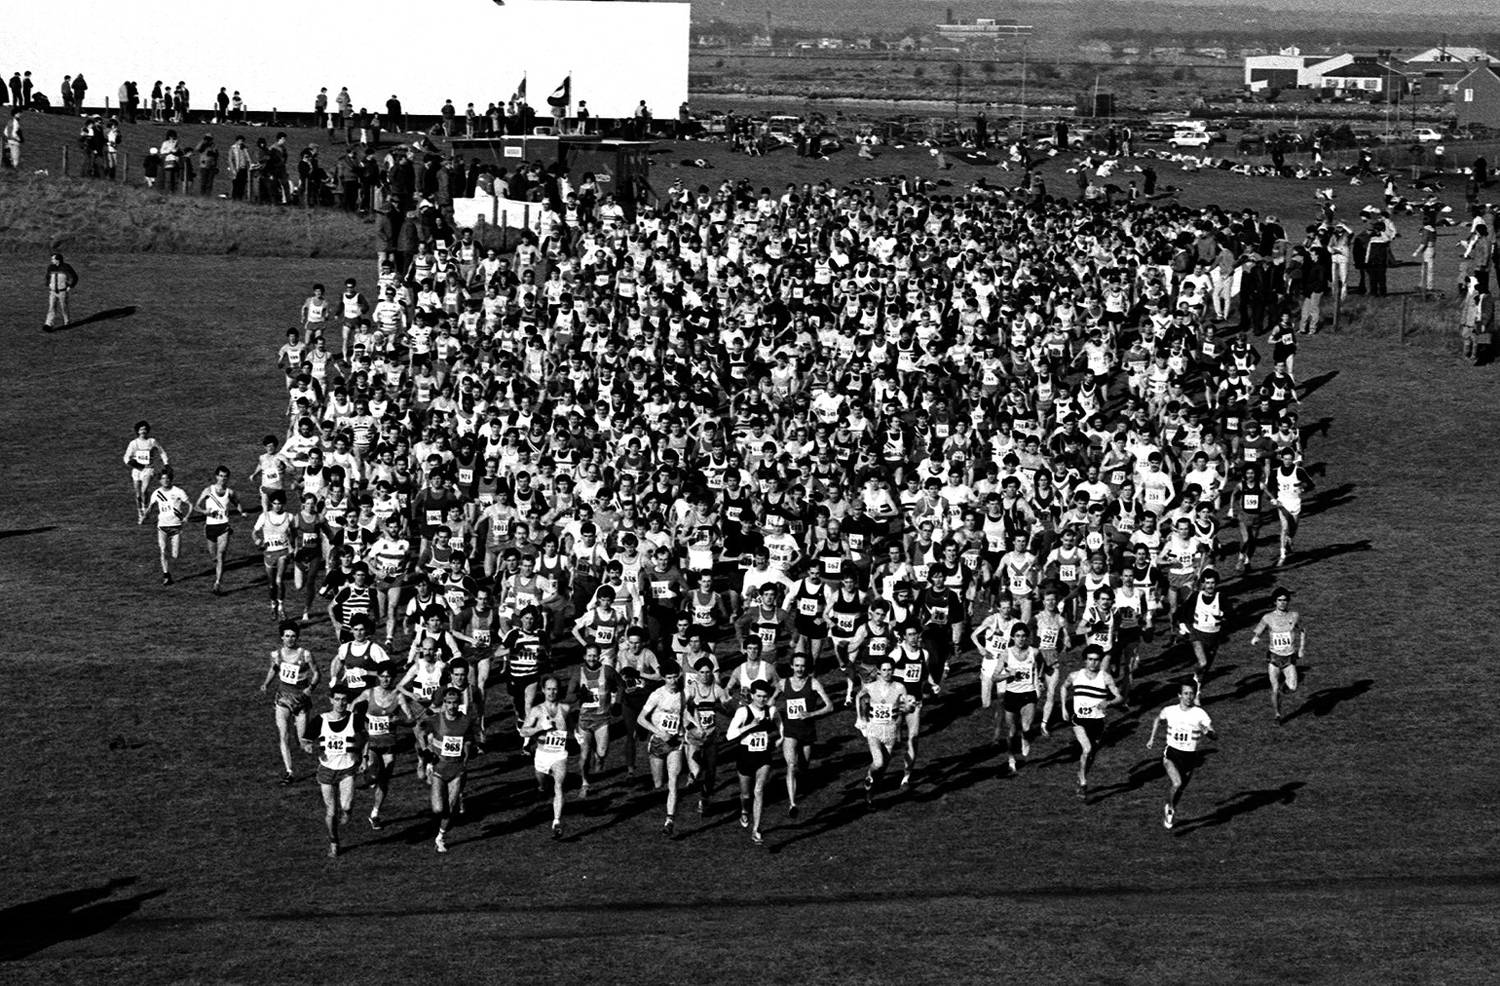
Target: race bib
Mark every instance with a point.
(556, 740)
(670, 721)
(807, 606)
(882, 713)
(911, 673)
(1252, 501)
(379, 725)
(1281, 641)
(452, 747)
(796, 708)
(291, 674)
(757, 741)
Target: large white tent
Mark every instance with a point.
(279, 53)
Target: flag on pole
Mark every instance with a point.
(563, 94)
(520, 95)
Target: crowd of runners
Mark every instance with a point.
(688, 483)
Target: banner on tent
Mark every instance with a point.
(506, 213)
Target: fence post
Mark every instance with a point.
(494, 210)
(65, 160)
(1404, 300)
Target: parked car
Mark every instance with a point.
(1182, 139)
(1426, 135)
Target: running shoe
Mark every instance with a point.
(1083, 791)
(1168, 816)
(375, 822)
(703, 806)
(869, 791)
(333, 850)
(286, 778)
(791, 811)
(744, 820)
(441, 845)
(557, 830)
(906, 780)
(166, 578)
(667, 828)
(755, 837)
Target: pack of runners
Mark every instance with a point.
(652, 482)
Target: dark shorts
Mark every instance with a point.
(215, 531)
(448, 770)
(1281, 660)
(1016, 701)
(297, 703)
(327, 775)
(1092, 728)
(748, 762)
(659, 748)
(1204, 637)
(1186, 761)
(808, 628)
(804, 731)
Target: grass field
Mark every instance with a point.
(149, 842)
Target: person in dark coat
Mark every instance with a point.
(1255, 294)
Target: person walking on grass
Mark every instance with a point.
(61, 279)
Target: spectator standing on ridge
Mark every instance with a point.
(67, 95)
(15, 92)
(80, 90)
(222, 101)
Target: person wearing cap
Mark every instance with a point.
(338, 736)
(1287, 633)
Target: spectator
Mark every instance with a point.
(239, 168)
(151, 167)
(221, 101)
(14, 138)
(80, 90)
(208, 165)
(171, 162)
(67, 95)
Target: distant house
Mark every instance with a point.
(1438, 56)
(1368, 76)
(1476, 97)
(1290, 69)
(1440, 69)
(1212, 52)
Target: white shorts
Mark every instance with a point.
(547, 760)
(142, 474)
(1292, 506)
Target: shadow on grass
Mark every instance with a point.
(1243, 804)
(1323, 702)
(26, 929)
(21, 532)
(1302, 559)
(108, 315)
(1317, 383)
(1325, 500)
